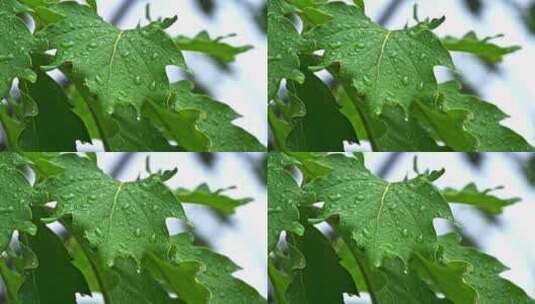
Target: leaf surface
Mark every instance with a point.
(131, 215)
(483, 199)
(214, 47)
(482, 48)
(202, 195)
(386, 67)
(16, 43)
(16, 196)
(384, 219)
(119, 67)
(284, 196)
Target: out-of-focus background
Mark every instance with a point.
(509, 85)
(508, 237)
(240, 84)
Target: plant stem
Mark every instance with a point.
(359, 258)
(353, 95)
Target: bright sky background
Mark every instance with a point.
(513, 91)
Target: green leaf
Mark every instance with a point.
(15, 60)
(202, 195)
(402, 287)
(131, 215)
(216, 274)
(482, 48)
(470, 195)
(129, 132)
(284, 45)
(386, 67)
(385, 219)
(213, 47)
(323, 128)
(16, 196)
(467, 123)
(323, 279)
(482, 274)
(180, 278)
(44, 131)
(119, 67)
(284, 196)
(55, 279)
(215, 122)
(11, 281)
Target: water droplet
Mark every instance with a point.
(366, 232)
(153, 237)
(99, 80)
(421, 85)
(137, 233)
(137, 80)
(359, 46)
(155, 55)
(335, 197)
(93, 45)
(405, 80)
(405, 232)
(126, 206)
(154, 208)
(420, 238)
(422, 56)
(422, 208)
(67, 44)
(367, 80)
(125, 54)
(153, 85)
(92, 197)
(98, 232)
(335, 44)
(359, 198)
(6, 57)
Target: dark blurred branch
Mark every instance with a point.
(389, 11)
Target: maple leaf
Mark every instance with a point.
(482, 199)
(385, 219)
(386, 67)
(482, 48)
(119, 67)
(284, 45)
(284, 196)
(467, 123)
(16, 44)
(202, 195)
(131, 215)
(321, 279)
(215, 274)
(480, 273)
(16, 196)
(213, 47)
(52, 258)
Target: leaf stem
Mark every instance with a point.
(353, 95)
(94, 265)
(100, 127)
(359, 258)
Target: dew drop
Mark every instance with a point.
(155, 55)
(137, 80)
(420, 238)
(153, 85)
(405, 80)
(359, 198)
(405, 232)
(335, 197)
(99, 80)
(125, 54)
(421, 85)
(6, 57)
(67, 44)
(335, 44)
(137, 233)
(153, 237)
(93, 45)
